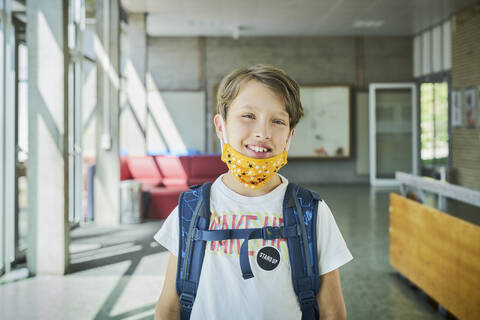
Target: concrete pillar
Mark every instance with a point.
(134, 112)
(47, 167)
(107, 172)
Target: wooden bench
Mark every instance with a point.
(439, 253)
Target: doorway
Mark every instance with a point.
(13, 138)
(393, 131)
(434, 142)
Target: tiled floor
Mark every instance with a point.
(115, 274)
(372, 288)
(118, 273)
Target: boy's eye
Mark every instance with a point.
(279, 122)
(248, 115)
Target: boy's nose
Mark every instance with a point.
(263, 130)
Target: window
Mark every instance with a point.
(434, 125)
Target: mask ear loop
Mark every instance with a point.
(224, 132)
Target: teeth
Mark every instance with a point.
(258, 149)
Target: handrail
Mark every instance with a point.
(441, 188)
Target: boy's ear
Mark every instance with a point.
(218, 126)
(290, 136)
(289, 139)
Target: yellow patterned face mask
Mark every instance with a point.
(252, 172)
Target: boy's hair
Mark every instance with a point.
(274, 78)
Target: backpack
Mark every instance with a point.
(300, 216)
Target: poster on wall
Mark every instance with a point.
(469, 108)
(478, 107)
(456, 108)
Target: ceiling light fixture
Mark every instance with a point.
(368, 24)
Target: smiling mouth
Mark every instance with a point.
(258, 149)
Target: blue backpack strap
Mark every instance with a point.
(266, 233)
(300, 209)
(194, 214)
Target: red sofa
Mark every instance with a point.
(165, 177)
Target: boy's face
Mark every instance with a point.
(257, 122)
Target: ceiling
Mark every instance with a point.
(292, 17)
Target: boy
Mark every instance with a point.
(258, 110)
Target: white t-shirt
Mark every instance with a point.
(222, 292)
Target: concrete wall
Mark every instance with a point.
(173, 63)
(200, 63)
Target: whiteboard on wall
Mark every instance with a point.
(176, 121)
(325, 129)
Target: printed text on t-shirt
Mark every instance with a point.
(234, 220)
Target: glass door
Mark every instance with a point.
(393, 131)
(21, 141)
(75, 40)
(2, 152)
(7, 139)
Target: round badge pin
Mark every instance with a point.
(268, 258)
